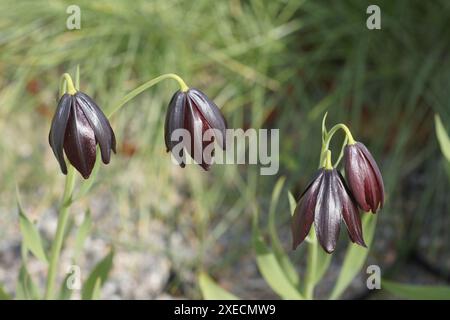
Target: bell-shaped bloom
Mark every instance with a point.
(193, 123)
(77, 126)
(364, 177)
(326, 202)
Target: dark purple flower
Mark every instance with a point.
(364, 177)
(326, 201)
(193, 112)
(77, 126)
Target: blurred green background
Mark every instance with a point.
(267, 64)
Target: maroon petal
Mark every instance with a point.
(174, 118)
(58, 129)
(351, 214)
(356, 173)
(211, 113)
(104, 134)
(328, 215)
(376, 173)
(79, 142)
(304, 212)
(196, 125)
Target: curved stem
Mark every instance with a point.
(335, 129)
(329, 136)
(145, 86)
(60, 231)
(70, 87)
(341, 154)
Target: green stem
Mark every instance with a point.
(329, 136)
(68, 80)
(60, 231)
(340, 126)
(145, 86)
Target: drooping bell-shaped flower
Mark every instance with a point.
(326, 202)
(77, 126)
(193, 123)
(364, 177)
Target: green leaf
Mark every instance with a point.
(26, 289)
(31, 237)
(3, 294)
(280, 254)
(82, 234)
(323, 262)
(211, 290)
(64, 292)
(421, 292)
(444, 140)
(355, 256)
(97, 291)
(292, 203)
(270, 268)
(100, 271)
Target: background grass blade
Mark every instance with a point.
(355, 256)
(270, 268)
(211, 290)
(444, 140)
(100, 271)
(31, 237)
(416, 292)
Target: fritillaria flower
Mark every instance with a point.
(326, 202)
(77, 126)
(193, 113)
(364, 177)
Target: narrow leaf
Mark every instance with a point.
(97, 287)
(292, 203)
(417, 292)
(82, 234)
(443, 138)
(3, 294)
(211, 290)
(270, 269)
(26, 289)
(355, 256)
(280, 253)
(100, 271)
(31, 237)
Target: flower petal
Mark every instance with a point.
(99, 123)
(356, 173)
(376, 173)
(79, 142)
(58, 129)
(328, 215)
(304, 212)
(211, 113)
(351, 214)
(196, 125)
(174, 117)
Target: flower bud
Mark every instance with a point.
(364, 178)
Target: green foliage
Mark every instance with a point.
(97, 277)
(211, 290)
(355, 256)
(443, 138)
(416, 292)
(31, 237)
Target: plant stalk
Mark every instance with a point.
(60, 231)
